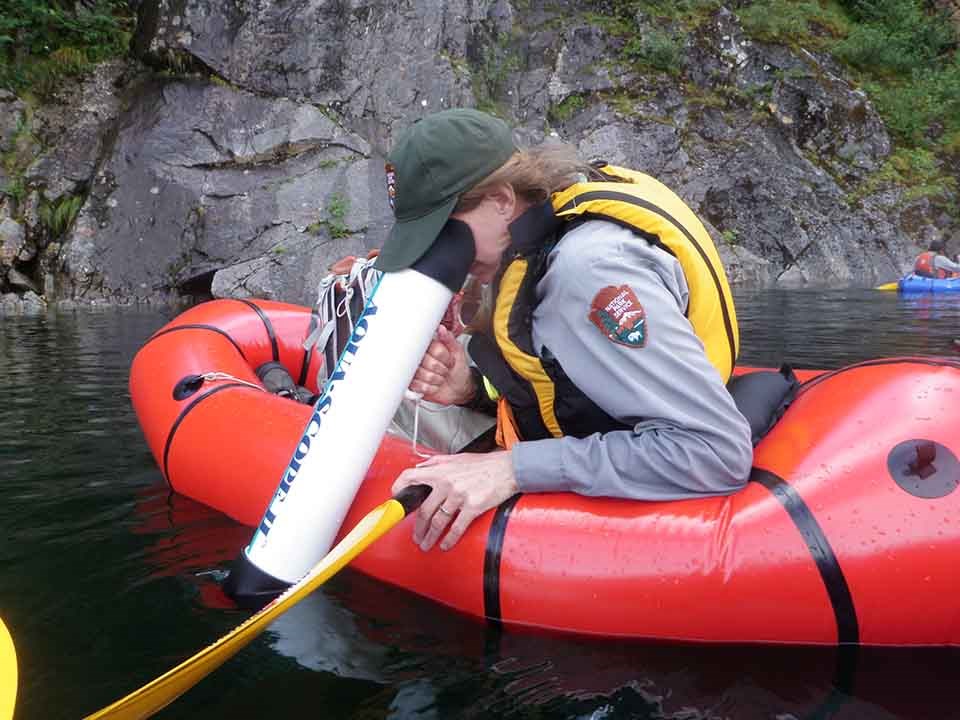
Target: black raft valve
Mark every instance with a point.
(187, 387)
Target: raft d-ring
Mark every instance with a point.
(187, 386)
(924, 468)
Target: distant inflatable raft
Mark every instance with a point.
(849, 532)
(913, 283)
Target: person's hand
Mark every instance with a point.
(464, 487)
(444, 373)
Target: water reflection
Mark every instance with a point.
(105, 578)
(440, 664)
(419, 660)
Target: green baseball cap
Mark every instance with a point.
(432, 163)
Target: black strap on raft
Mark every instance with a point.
(763, 396)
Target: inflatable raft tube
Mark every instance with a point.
(912, 283)
(847, 534)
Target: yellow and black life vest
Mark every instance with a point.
(544, 401)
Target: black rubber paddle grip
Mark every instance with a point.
(412, 497)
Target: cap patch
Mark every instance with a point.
(620, 316)
(391, 185)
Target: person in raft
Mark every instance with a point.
(934, 263)
(613, 328)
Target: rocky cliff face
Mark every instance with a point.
(251, 154)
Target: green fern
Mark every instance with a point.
(58, 216)
(42, 41)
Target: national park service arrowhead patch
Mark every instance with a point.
(620, 316)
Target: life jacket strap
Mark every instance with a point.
(508, 434)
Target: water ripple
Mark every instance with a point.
(107, 579)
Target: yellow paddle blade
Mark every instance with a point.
(8, 674)
(887, 286)
(156, 695)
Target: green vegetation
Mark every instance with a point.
(730, 237)
(716, 96)
(895, 37)
(22, 150)
(59, 215)
(793, 21)
(337, 208)
(658, 49)
(490, 77)
(909, 64)
(652, 30)
(917, 170)
(687, 12)
(623, 102)
(16, 188)
(902, 52)
(566, 108)
(43, 41)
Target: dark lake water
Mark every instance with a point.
(105, 578)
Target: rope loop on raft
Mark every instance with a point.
(336, 295)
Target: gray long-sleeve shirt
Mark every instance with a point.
(942, 262)
(688, 438)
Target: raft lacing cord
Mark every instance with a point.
(417, 399)
(210, 376)
(364, 277)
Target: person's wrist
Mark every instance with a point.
(479, 400)
(470, 388)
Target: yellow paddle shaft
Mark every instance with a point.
(156, 695)
(887, 286)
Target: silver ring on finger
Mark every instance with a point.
(444, 510)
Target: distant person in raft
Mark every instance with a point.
(934, 263)
(612, 334)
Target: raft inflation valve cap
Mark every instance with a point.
(187, 386)
(924, 468)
